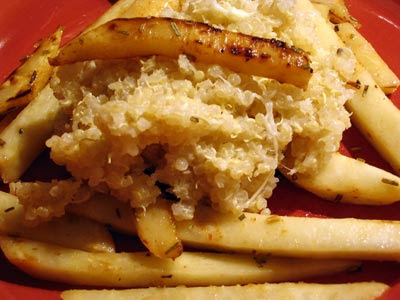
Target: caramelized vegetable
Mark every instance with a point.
(124, 38)
(25, 83)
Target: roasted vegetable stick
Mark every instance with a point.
(372, 112)
(376, 117)
(267, 291)
(292, 236)
(25, 83)
(344, 179)
(24, 138)
(368, 57)
(124, 38)
(68, 231)
(156, 229)
(142, 270)
(338, 12)
(338, 238)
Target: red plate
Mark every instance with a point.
(23, 22)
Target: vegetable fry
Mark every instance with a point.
(24, 139)
(267, 291)
(347, 180)
(369, 58)
(25, 83)
(336, 238)
(156, 229)
(140, 269)
(338, 12)
(381, 128)
(68, 231)
(292, 236)
(124, 38)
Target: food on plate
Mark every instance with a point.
(68, 231)
(145, 127)
(339, 181)
(273, 235)
(155, 227)
(200, 42)
(140, 269)
(338, 12)
(292, 236)
(25, 83)
(174, 126)
(380, 129)
(269, 291)
(368, 57)
(24, 138)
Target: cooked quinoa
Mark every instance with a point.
(145, 128)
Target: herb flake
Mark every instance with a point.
(365, 90)
(175, 29)
(338, 198)
(123, 32)
(389, 181)
(242, 217)
(194, 119)
(9, 209)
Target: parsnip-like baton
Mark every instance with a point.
(267, 291)
(369, 58)
(140, 269)
(348, 180)
(24, 138)
(125, 38)
(292, 236)
(25, 83)
(68, 231)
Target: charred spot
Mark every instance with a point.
(33, 77)
(213, 29)
(24, 59)
(21, 94)
(297, 50)
(278, 43)
(265, 55)
(112, 26)
(222, 50)
(235, 50)
(199, 42)
(248, 52)
(191, 57)
(257, 39)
